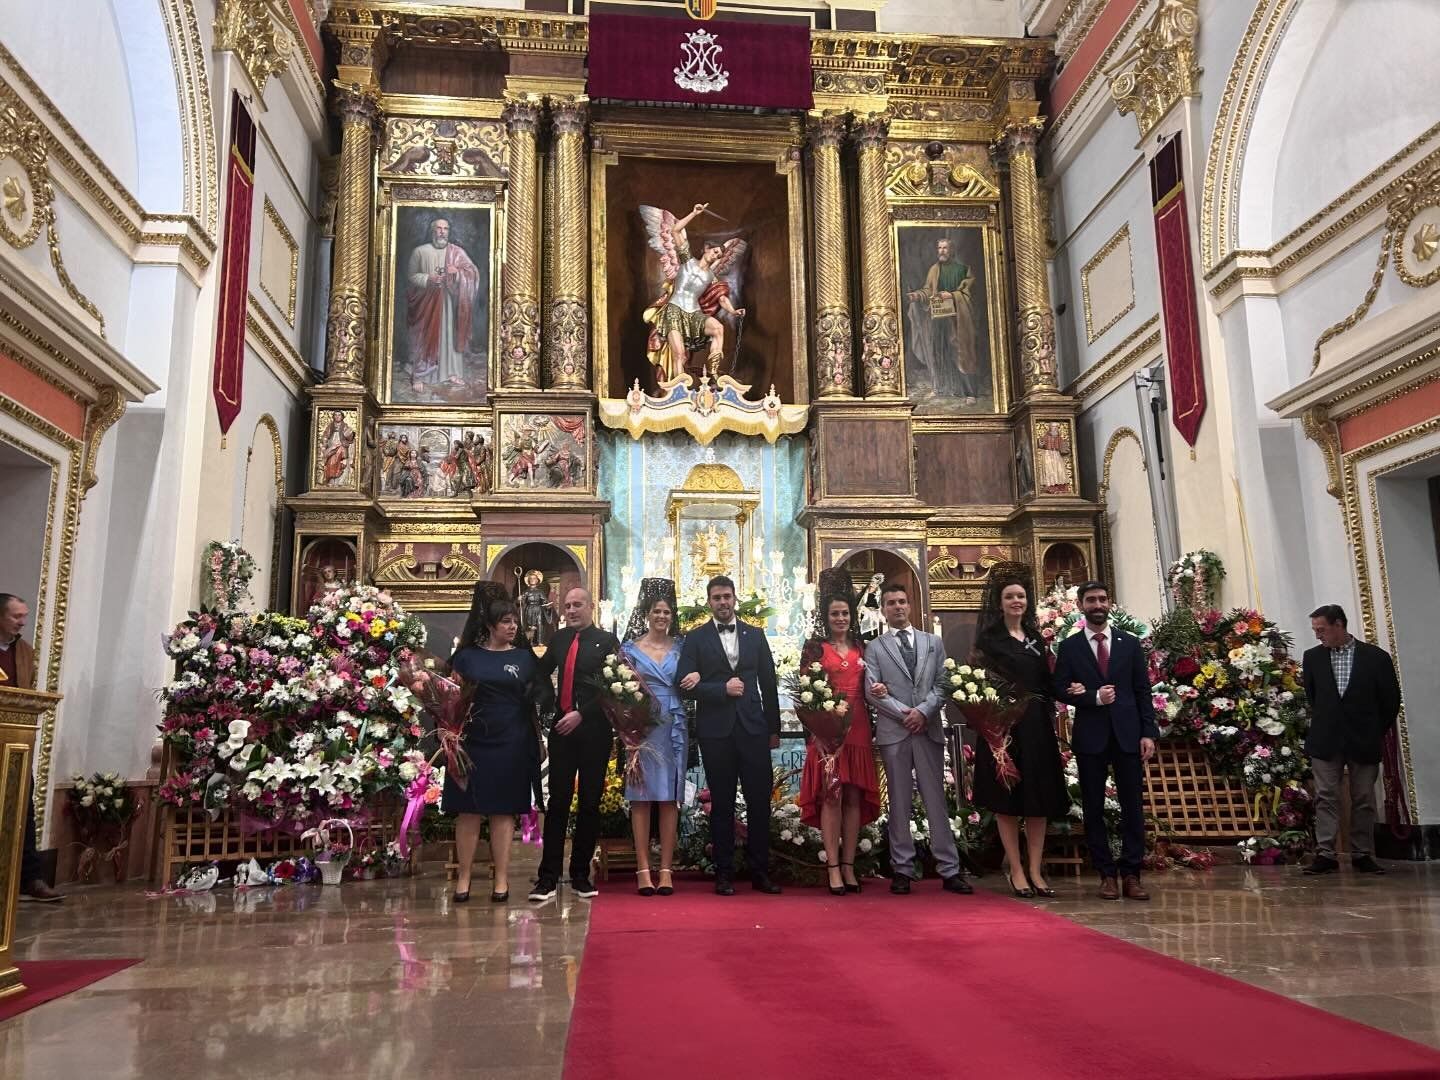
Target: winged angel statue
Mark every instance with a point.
(695, 291)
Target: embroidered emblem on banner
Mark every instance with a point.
(700, 9)
(701, 72)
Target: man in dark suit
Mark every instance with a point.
(1103, 674)
(1354, 700)
(580, 742)
(17, 672)
(726, 666)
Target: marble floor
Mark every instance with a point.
(390, 978)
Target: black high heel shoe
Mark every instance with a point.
(666, 890)
(1026, 893)
(836, 890)
(1046, 892)
(461, 897)
(647, 889)
(848, 887)
(499, 897)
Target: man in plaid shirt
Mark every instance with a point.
(1354, 701)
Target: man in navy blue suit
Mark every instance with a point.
(1103, 674)
(726, 666)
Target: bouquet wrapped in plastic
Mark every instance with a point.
(629, 706)
(444, 697)
(823, 711)
(990, 706)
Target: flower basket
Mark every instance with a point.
(332, 857)
(332, 871)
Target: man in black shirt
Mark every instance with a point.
(580, 742)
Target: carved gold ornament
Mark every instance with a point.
(256, 33)
(1427, 239)
(17, 205)
(24, 182)
(1159, 67)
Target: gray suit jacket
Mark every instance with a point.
(884, 664)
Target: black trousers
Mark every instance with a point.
(30, 855)
(584, 752)
(1129, 778)
(744, 758)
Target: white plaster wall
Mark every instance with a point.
(1138, 583)
(1222, 26)
(271, 183)
(975, 18)
(257, 528)
(99, 269)
(160, 154)
(74, 51)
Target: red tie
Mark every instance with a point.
(1102, 655)
(567, 679)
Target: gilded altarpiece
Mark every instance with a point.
(606, 339)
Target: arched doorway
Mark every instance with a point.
(867, 565)
(538, 575)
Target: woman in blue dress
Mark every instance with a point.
(653, 649)
(501, 736)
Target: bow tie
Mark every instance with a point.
(725, 628)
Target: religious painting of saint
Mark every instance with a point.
(1053, 473)
(700, 286)
(945, 316)
(335, 449)
(440, 304)
(432, 462)
(540, 451)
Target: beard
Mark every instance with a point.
(441, 241)
(1097, 618)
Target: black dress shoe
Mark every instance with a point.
(900, 885)
(724, 887)
(763, 884)
(956, 883)
(1321, 864)
(1366, 864)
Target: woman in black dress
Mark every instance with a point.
(501, 736)
(1010, 645)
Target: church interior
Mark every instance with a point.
(319, 318)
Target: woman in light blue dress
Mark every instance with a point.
(653, 649)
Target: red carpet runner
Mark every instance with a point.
(46, 980)
(805, 985)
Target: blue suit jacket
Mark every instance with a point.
(757, 710)
(1131, 717)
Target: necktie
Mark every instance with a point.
(567, 677)
(1102, 655)
(907, 650)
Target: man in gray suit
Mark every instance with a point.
(903, 668)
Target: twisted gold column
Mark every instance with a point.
(350, 292)
(567, 326)
(1036, 322)
(834, 334)
(519, 297)
(880, 300)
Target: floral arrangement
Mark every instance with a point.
(628, 705)
(822, 710)
(969, 825)
(103, 810)
(990, 708)
(1059, 615)
(289, 721)
(228, 570)
(1194, 580)
(1286, 846)
(695, 610)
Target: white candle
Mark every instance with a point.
(935, 626)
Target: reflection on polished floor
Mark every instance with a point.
(389, 978)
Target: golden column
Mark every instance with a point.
(834, 334)
(567, 322)
(350, 288)
(1036, 322)
(520, 284)
(880, 300)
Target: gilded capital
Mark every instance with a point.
(1159, 67)
(521, 114)
(871, 130)
(827, 129)
(355, 103)
(569, 114)
(251, 30)
(1021, 133)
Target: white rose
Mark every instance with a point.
(632, 686)
(408, 771)
(949, 663)
(611, 658)
(88, 800)
(971, 689)
(978, 672)
(807, 697)
(965, 669)
(617, 688)
(608, 672)
(991, 694)
(816, 668)
(798, 841)
(865, 846)
(829, 706)
(785, 834)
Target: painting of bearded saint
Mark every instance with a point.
(441, 333)
(698, 289)
(947, 351)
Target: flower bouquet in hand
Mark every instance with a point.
(629, 706)
(991, 707)
(442, 695)
(824, 712)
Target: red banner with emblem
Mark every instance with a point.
(1186, 361)
(680, 61)
(234, 266)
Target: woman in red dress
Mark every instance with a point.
(840, 815)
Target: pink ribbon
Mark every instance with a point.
(530, 827)
(414, 809)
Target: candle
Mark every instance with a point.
(935, 626)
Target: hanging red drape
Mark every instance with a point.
(234, 266)
(1177, 293)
